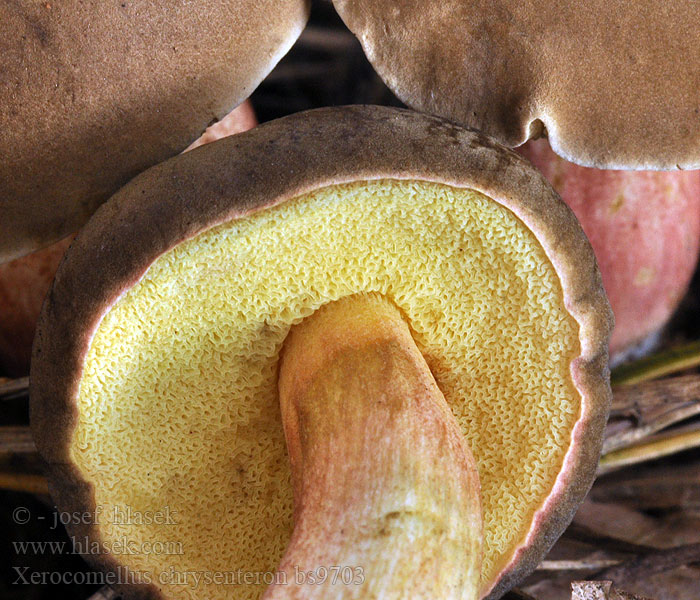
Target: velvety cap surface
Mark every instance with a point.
(616, 84)
(94, 92)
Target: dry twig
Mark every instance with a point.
(16, 440)
(12, 388)
(641, 410)
(657, 562)
(599, 590)
(657, 446)
(657, 365)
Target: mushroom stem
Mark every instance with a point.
(386, 491)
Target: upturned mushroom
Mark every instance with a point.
(354, 353)
(92, 93)
(613, 84)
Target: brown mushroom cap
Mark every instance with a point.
(153, 377)
(92, 93)
(614, 84)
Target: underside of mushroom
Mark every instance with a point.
(390, 358)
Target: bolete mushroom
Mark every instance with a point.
(644, 227)
(242, 118)
(24, 283)
(94, 92)
(439, 314)
(614, 84)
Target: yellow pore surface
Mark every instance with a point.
(178, 400)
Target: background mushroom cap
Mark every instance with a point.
(644, 227)
(92, 93)
(615, 84)
(177, 205)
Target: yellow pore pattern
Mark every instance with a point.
(178, 400)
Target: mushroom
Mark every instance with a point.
(242, 118)
(24, 283)
(613, 84)
(92, 93)
(443, 337)
(644, 227)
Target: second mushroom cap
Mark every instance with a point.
(615, 84)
